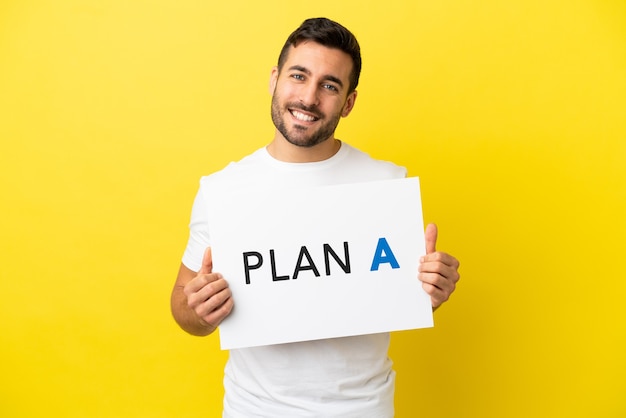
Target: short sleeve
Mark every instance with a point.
(198, 233)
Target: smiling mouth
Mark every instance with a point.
(303, 117)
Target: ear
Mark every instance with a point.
(273, 80)
(349, 105)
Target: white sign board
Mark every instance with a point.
(341, 261)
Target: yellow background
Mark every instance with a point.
(513, 114)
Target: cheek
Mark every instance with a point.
(284, 84)
(283, 93)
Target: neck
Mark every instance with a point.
(287, 152)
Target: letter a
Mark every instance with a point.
(383, 255)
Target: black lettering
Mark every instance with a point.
(299, 267)
(247, 267)
(273, 262)
(344, 266)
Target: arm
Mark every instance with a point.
(200, 301)
(438, 271)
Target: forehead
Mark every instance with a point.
(320, 60)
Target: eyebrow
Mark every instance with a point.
(308, 72)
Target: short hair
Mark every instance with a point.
(330, 34)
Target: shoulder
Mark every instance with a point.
(235, 172)
(380, 169)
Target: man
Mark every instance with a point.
(313, 87)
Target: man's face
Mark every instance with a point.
(310, 93)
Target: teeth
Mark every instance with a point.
(302, 116)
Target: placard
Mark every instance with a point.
(342, 261)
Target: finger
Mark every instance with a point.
(430, 261)
(430, 236)
(207, 262)
(437, 296)
(212, 303)
(440, 281)
(214, 285)
(438, 287)
(204, 285)
(444, 271)
(215, 317)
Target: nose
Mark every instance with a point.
(309, 95)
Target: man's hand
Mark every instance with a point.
(438, 271)
(208, 294)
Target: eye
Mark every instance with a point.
(298, 77)
(330, 87)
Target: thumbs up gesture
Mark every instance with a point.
(438, 271)
(208, 294)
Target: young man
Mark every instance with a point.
(313, 87)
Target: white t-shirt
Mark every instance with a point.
(340, 377)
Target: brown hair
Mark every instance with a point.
(330, 34)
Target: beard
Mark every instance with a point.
(299, 134)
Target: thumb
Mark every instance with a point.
(430, 236)
(207, 262)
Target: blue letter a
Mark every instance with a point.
(383, 255)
